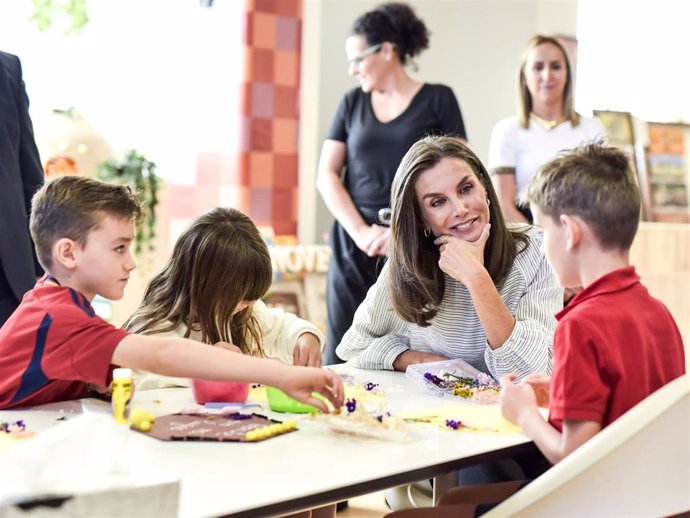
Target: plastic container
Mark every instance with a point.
(219, 391)
(457, 367)
(279, 401)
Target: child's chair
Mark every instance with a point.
(638, 466)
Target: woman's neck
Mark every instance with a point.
(398, 84)
(552, 112)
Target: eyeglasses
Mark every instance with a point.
(356, 60)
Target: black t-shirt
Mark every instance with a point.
(374, 148)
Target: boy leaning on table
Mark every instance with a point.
(614, 344)
(54, 347)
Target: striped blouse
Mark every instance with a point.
(530, 292)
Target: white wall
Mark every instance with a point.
(475, 48)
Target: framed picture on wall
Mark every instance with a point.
(668, 171)
(620, 133)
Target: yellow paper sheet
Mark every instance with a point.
(483, 418)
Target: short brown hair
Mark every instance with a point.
(71, 206)
(596, 183)
(526, 96)
(417, 283)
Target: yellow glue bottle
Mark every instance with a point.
(122, 394)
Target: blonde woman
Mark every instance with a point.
(546, 124)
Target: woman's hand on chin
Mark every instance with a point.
(463, 259)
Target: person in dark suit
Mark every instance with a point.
(21, 174)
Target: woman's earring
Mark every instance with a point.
(488, 202)
(427, 232)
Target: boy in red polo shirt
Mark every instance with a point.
(54, 346)
(615, 344)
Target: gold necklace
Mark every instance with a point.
(546, 124)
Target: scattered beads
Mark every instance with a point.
(264, 432)
(351, 405)
(15, 427)
(451, 423)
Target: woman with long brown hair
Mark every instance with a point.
(460, 282)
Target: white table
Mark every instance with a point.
(298, 470)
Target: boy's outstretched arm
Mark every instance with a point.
(519, 406)
(188, 359)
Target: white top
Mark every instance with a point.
(530, 292)
(525, 150)
(279, 330)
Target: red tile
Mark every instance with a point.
(289, 8)
(260, 205)
(262, 65)
(263, 30)
(285, 171)
(260, 169)
(265, 6)
(285, 136)
(287, 33)
(286, 70)
(260, 135)
(261, 104)
(282, 206)
(286, 102)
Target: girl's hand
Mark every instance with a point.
(300, 382)
(307, 351)
(461, 259)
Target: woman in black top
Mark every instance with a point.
(373, 128)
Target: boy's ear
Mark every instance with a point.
(64, 253)
(573, 232)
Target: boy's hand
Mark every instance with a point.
(541, 384)
(300, 382)
(517, 400)
(307, 351)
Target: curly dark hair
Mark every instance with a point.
(397, 23)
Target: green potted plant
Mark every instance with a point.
(139, 173)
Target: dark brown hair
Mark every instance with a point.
(417, 283)
(596, 183)
(71, 206)
(526, 96)
(396, 23)
(218, 262)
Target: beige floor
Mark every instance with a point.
(366, 506)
